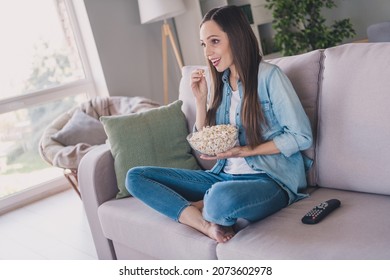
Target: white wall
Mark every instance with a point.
(130, 52)
(361, 12)
(187, 26)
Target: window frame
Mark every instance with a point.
(73, 88)
(93, 85)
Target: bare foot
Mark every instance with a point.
(219, 233)
(192, 217)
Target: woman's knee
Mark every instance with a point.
(218, 203)
(133, 177)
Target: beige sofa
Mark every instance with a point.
(345, 91)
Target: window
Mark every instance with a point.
(43, 73)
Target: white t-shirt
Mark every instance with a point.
(236, 165)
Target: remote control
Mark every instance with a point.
(319, 212)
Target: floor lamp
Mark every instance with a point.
(157, 10)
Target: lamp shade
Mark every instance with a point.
(156, 10)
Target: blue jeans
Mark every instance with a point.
(226, 197)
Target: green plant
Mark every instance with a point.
(300, 27)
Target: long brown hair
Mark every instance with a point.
(246, 58)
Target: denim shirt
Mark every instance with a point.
(287, 125)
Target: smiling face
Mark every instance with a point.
(216, 47)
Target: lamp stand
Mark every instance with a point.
(166, 32)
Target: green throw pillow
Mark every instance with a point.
(156, 137)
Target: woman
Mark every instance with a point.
(265, 171)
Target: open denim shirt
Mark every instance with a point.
(287, 125)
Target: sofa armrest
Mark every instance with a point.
(97, 182)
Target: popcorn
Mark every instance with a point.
(212, 140)
(202, 72)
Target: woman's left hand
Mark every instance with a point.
(238, 151)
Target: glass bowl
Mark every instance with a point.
(212, 140)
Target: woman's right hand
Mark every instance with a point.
(199, 85)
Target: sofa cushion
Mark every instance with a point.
(155, 138)
(304, 72)
(354, 119)
(130, 222)
(356, 230)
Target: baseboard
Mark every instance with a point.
(33, 194)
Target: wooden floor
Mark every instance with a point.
(54, 228)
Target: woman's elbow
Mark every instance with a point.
(306, 142)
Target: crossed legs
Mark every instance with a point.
(207, 202)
